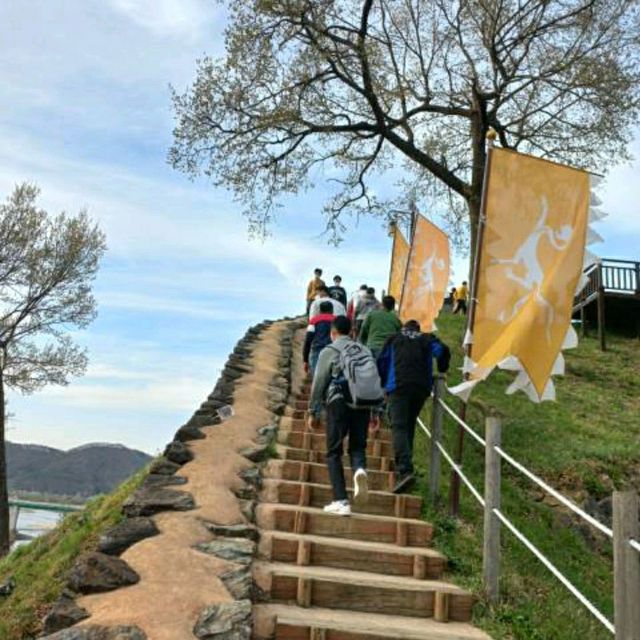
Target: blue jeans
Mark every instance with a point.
(313, 363)
(313, 360)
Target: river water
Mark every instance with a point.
(36, 523)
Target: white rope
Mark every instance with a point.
(547, 563)
(461, 422)
(457, 468)
(558, 496)
(424, 428)
(635, 545)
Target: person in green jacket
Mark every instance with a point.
(380, 325)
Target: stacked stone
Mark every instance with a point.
(238, 543)
(102, 570)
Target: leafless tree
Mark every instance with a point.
(47, 264)
(409, 85)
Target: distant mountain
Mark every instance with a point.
(84, 471)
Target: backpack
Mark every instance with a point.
(360, 376)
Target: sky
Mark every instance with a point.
(85, 113)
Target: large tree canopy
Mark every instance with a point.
(365, 85)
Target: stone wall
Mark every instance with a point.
(188, 537)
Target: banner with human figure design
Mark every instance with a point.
(530, 265)
(427, 275)
(399, 257)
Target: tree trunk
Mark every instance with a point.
(479, 161)
(4, 494)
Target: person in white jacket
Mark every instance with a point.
(323, 296)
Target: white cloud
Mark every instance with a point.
(166, 17)
(159, 394)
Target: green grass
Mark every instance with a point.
(40, 566)
(584, 444)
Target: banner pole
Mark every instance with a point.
(454, 486)
(412, 228)
(393, 225)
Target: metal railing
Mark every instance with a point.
(625, 532)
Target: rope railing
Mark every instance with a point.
(554, 570)
(625, 532)
(558, 496)
(462, 423)
(458, 468)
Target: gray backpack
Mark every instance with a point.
(360, 376)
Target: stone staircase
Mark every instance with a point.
(369, 576)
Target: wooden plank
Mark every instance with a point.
(626, 565)
(314, 473)
(304, 592)
(336, 593)
(304, 553)
(491, 537)
(411, 534)
(316, 495)
(295, 453)
(385, 562)
(441, 607)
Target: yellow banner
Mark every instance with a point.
(399, 257)
(427, 275)
(537, 215)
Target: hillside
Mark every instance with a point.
(84, 471)
(585, 444)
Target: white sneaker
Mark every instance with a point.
(338, 508)
(360, 486)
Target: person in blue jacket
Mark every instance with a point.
(406, 371)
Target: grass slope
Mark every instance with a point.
(584, 444)
(39, 567)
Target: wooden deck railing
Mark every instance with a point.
(620, 277)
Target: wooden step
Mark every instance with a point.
(299, 424)
(355, 555)
(292, 412)
(317, 442)
(360, 591)
(359, 526)
(317, 495)
(318, 473)
(287, 622)
(375, 463)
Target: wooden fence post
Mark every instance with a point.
(601, 307)
(491, 542)
(436, 437)
(626, 566)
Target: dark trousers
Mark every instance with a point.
(404, 408)
(343, 421)
(461, 305)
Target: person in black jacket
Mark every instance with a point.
(406, 371)
(338, 292)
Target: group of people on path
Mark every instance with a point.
(365, 363)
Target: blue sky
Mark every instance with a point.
(85, 113)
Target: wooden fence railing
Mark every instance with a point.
(625, 531)
(607, 277)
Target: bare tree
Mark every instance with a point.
(366, 86)
(47, 264)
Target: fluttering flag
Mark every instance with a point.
(399, 257)
(427, 275)
(531, 261)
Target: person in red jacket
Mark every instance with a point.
(318, 336)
